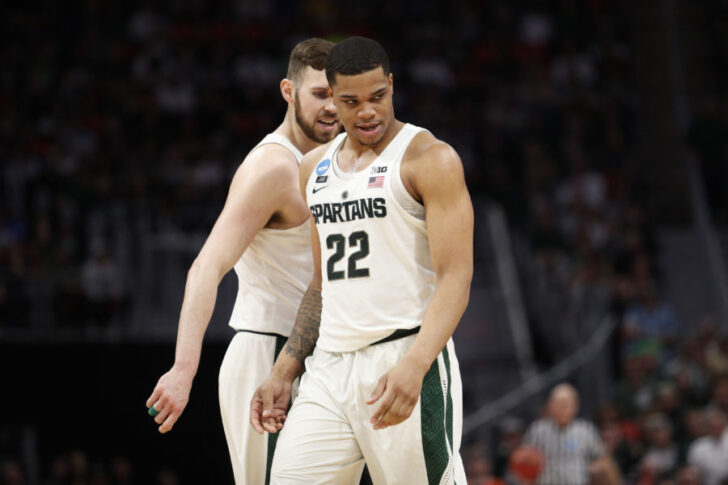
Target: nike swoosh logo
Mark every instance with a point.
(316, 189)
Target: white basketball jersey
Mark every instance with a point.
(273, 272)
(375, 255)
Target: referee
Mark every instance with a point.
(570, 445)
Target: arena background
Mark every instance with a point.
(593, 135)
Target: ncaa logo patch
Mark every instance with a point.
(323, 166)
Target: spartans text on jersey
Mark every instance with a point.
(350, 210)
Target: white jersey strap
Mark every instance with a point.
(281, 140)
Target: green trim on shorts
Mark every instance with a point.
(273, 438)
(448, 409)
(435, 444)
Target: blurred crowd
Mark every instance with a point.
(125, 124)
(665, 424)
(74, 467)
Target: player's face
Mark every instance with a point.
(364, 104)
(315, 111)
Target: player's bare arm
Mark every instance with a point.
(262, 193)
(270, 401)
(433, 174)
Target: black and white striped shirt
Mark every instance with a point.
(567, 451)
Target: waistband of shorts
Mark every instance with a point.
(398, 334)
(268, 334)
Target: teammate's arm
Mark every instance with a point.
(436, 176)
(271, 400)
(261, 187)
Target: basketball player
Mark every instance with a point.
(392, 248)
(263, 233)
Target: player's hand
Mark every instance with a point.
(170, 397)
(398, 391)
(269, 404)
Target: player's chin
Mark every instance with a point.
(327, 130)
(369, 134)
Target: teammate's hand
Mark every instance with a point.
(269, 404)
(399, 389)
(170, 397)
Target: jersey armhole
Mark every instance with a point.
(408, 205)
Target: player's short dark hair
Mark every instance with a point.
(310, 52)
(355, 55)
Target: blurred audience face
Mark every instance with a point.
(563, 404)
(715, 421)
(720, 393)
(315, 111)
(167, 477)
(478, 467)
(121, 469)
(11, 474)
(658, 430)
(687, 476)
(79, 463)
(694, 424)
(510, 434)
(667, 399)
(611, 435)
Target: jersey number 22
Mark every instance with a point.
(337, 242)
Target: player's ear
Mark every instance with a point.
(391, 80)
(288, 91)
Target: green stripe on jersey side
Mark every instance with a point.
(448, 408)
(432, 416)
(273, 438)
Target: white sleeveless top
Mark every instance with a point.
(375, 256)
(273, 272)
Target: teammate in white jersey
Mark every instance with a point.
(263, 233)
(392, 247)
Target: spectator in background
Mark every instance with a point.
(122, 471)
(625, 452)
(478, 467)
(79, 467)
(687, 476)
(569, 444)
(11, 473)
(102, 285)
(650, 319)
(692, 427)
(720, 393)
(510, 437)
(60, 471)
(634, 392)
(167, 477)
(662, 453)
(709, 454)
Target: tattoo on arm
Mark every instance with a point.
(305, 333)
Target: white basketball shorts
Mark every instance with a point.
(247, 362)
(327, 436)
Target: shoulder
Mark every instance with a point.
(432, 168)
(582, 423)
(584, 426)
(270, 157)
(267, 168)
(539, 426)
(311, 159)
(427, 150)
